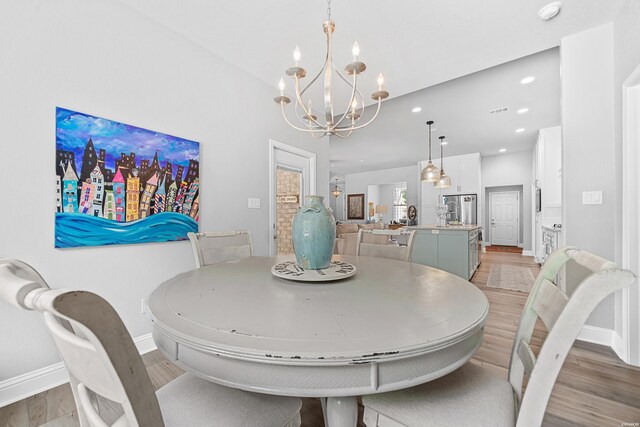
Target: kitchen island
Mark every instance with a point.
(455, 248)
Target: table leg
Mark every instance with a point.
(342, 412)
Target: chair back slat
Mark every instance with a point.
(549, 303)
(83, 361)
(364, 247)
(527, 358)
(564, 315)
(214, 248)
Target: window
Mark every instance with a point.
(399, 204)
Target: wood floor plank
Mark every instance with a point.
(14, 415)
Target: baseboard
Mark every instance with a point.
(527, 253)
(520, 245)
(620, 347)
(34, 382)
(596, 335)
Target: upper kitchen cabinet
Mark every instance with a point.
(549, 171)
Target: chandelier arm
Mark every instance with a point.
(294, 126)
(353, 95)
(352, 128)
(349, 83)
(299, 100)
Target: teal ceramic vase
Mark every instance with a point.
(314, 234)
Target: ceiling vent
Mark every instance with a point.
(499, 110)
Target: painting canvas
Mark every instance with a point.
(355, 206)
(120, 184)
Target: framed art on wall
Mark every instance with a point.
(121, 184)
(355, 206)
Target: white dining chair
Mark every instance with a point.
(217, 247)
(389, 251)
(102, 360)
(472, 395)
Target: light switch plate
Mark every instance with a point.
(592, 197)
(253, 203)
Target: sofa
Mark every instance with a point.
(347, 235)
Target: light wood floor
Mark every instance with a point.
(594, 388)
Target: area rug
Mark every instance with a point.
(510, 277)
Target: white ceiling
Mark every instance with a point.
(414, 43)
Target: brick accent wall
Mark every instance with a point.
(288, 203)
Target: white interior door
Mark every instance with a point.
(290, 158)
(505, 218)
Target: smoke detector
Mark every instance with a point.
(549, 11)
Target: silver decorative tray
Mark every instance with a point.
(337, 270)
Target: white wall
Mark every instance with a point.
(359, 182)
(105, 59)
(511, 169)
(588, 156)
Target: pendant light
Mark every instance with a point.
(336, 190)
(430, 173)
(445, 180)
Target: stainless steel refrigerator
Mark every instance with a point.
(462, 208)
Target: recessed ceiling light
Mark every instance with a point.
(527, 80)
(502, 150)
(361, 160)
(523, 110)
(520, 130)
(416, 109)
(549, 11)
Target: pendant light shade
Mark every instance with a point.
(444, 181)
(335, 191)
(430, 173)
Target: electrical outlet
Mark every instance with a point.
(143, 306)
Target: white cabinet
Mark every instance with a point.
(464, 172)
(548, 179)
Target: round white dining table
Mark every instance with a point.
(392, 325)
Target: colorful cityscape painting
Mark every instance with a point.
(120, 184)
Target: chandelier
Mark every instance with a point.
(335, 192)
(341, 124)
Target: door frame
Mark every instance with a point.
(517, 193)
(627, 343)
(274, 146)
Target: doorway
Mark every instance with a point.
(292, 176)
(628, 300)
(504, 212)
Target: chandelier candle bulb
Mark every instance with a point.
(281, 86)
(355, 51)
(296, 55)
(380, 81)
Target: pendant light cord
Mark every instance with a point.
(429, 124)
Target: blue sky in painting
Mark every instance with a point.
(74, 129)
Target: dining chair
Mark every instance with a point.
(390, 251)
(218, 247)
(102, 360)
(471, 395)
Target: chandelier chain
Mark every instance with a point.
(328, 10)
